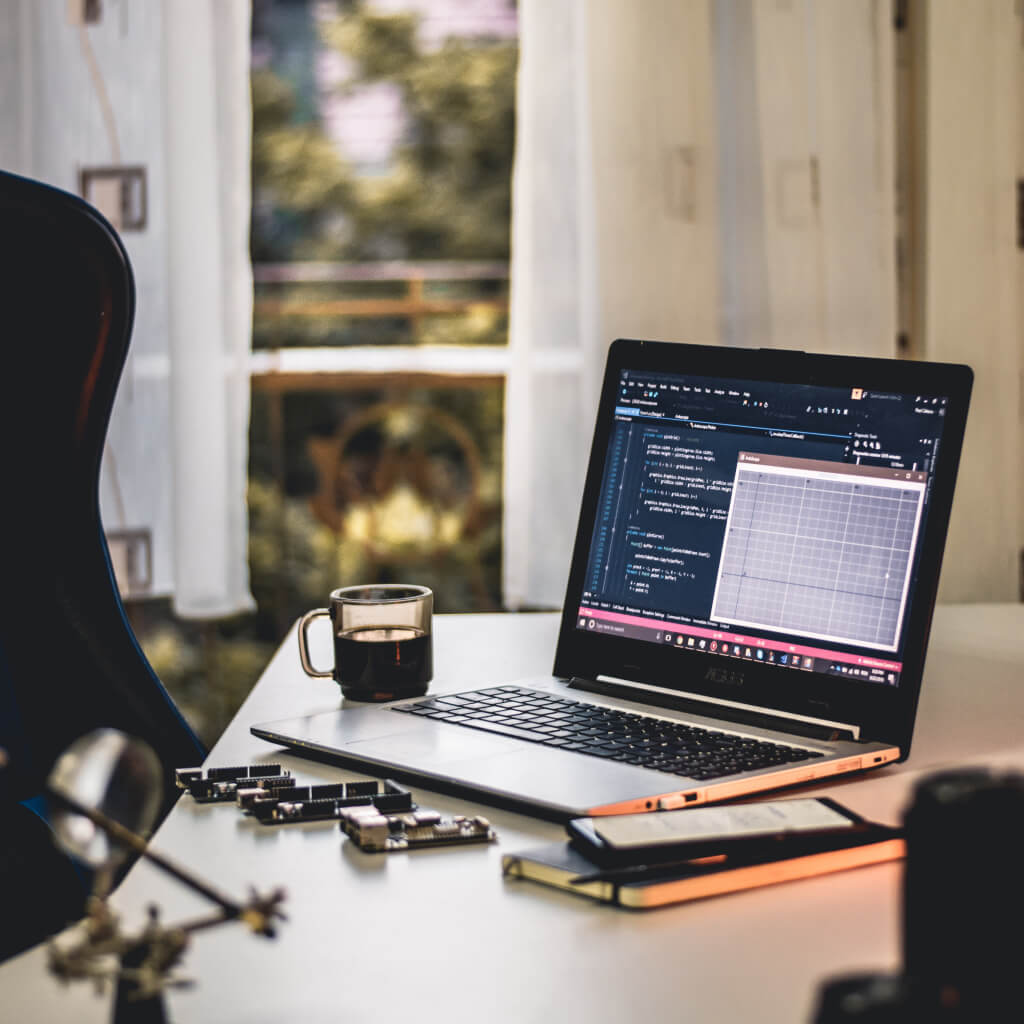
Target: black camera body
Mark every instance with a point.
(963, 910)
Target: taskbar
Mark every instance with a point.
(737, 645)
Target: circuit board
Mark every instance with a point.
(325, 802)
(378, 816)
(384, 833)
(221, 785)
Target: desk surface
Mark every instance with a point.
(439, 934)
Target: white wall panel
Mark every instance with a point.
(804, 120)
(973, 309)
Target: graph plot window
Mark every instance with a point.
(819, 549)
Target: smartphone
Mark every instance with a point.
(753, 829)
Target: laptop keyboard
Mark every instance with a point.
(608, 733)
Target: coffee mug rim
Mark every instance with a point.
(417, 593)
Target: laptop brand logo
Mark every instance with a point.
(724, 676)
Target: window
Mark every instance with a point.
(382, 154)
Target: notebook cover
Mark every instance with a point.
(557, 864)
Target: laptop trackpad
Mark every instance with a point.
(537, 775)
(427, 749)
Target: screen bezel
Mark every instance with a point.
(883, 713)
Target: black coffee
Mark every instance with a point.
(383, 662)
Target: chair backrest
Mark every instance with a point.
(69, 660)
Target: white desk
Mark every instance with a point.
(439, 935)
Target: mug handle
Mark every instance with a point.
(307, 664)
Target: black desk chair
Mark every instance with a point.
(69, 661)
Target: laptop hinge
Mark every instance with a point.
(700, 705)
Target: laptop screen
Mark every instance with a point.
(769, 522)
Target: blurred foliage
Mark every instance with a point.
(302, 190)
(448, 191)
(208, 668)
(364, 469)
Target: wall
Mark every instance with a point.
(970, 271)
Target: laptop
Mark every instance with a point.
(749, 598)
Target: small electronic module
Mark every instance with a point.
(321, 803)
(221, 785)
(383, 833)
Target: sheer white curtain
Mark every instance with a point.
(687, 170)
(553, 337)
(612, 209)
(970, 273)
(163, 86)
(207, 131)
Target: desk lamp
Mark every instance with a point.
(105, 790)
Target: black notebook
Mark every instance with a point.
(561, 865)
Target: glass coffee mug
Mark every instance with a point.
(383, 646)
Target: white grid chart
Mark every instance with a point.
(817, 555)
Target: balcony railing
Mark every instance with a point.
(320, 304)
